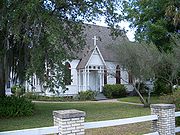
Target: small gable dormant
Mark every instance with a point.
(96, 58)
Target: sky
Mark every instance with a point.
(130, 32)
(124, 24)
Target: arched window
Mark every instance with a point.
(118, 75)
(105, 76)
(130, 77)
(67, 74)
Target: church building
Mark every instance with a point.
(95, 65)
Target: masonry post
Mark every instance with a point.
(165, 124)
(70, 122)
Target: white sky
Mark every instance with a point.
(130, 32)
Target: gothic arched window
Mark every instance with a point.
(67, 74)
(118, 75)
(130, 77)
(105, 76)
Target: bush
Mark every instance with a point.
(160, 87)
(31, 95)
(86, 95)
(37, 97)
(15, 106)
(18, 90)
(173, 99)
(114, 91)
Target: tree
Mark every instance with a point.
(145, 62)
(156, 21)
(140, 60)
(153, 20)
(37, 36)
(167, 70)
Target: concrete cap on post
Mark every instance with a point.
(69, 122)
(67, 114)
(162, 106)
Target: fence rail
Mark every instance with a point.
(177, 129)
(33, 131)
(154, 133)
(72, 121)
(108, 123)
(177, 114)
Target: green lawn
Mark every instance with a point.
(95, 112)
(135, 99)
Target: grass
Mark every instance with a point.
(130, 129)
(94, 112)
(136, 99)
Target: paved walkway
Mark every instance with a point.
(130, 103)
(100, 101)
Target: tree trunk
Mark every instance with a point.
(2, 78)
(146, 104)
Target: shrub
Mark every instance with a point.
(31, 95)
(173, 99)
(18, 90)
(37, 97)
(114, 91)
(86, 95)
(15, 106)
(160, 87)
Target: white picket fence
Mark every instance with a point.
(90, 125)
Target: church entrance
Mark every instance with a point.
(91, 78)
(91, 70)
(94, 81)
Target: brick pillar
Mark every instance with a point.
(165, 124)
(70, 122)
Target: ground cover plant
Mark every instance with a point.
(173, 98)
(94, 112)
(86, 95)
(15, 107)
(37, 97)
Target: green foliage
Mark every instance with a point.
(138, 58)
(86, 95)
(29, 30)
(161, 87)
(153, 20)
(114, 90)
(173, 99)
(95, 112)
(15, 107)
(31, 95)
(34, 96)
(18, 90)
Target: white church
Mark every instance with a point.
(94, 67)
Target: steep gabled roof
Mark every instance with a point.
(104, 43)
(84, 60)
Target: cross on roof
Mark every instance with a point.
(95, 39)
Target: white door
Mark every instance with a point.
(94, 82)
